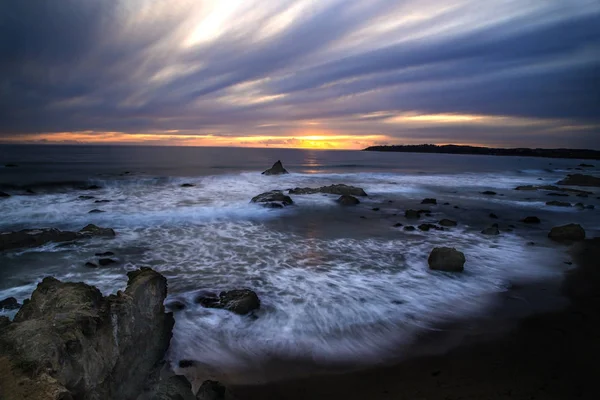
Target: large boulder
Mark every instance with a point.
(347, 200)
(339, 189)
(273, 199)
(580, 180)
(239, 301)
(569, 232)
(446, 259)
(276, 169)
(70, 342)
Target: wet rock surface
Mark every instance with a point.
(566, 233)
(446, 259)
(339, 189)
(239, 301)
(347, 200)
(273, 199)
(580, 180)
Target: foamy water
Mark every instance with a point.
(333, 286)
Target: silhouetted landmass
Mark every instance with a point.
(489, 151)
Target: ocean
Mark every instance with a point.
(337, 284)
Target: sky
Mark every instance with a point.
(301, 73)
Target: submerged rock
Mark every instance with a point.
(580, 180)
(429, 201)
(102, 201)
(397, 225)
(409, 228)
(9, 303)
(71, 342)
(90, 265)
(93, 187)
(211, 390)
(95, 211)
(106, 261)
(176, 305)
(446, 259)
(93, 230)
(105, 254)
(412, 214)
(347, 200)
(492, 230)
(33, 238)
(273, 199)
(493, 216)
(340, 189)
(427, 227)
(276, 169)
(489, 193)
(375, 209)
(558, 203)
(447, 222)
(558, 194)
(586, 165)
(569, 232)
(3, 194)
(84, 197)
(552, 188)
(239, 301)
(531, 220)
(186, 185)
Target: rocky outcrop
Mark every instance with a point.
(531, 220)
(70, 342)
(347, 200)
(446, 259)
(565, 233)
(580, 180)
(276, 169)
(273, 199)
(37, 237)
(9, 303)
(4, 321)
(239, 301)
(556, 203)
(339, 189)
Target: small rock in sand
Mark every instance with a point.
(446, 259)
(569, 232)
(429, 201)
(531, 220)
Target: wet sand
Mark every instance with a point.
(552, 355)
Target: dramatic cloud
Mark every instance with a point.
(307, 73)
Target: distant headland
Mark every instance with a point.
(490, 151)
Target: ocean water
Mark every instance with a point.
(334, 287)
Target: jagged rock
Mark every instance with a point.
(106, 261)
(70, 342)
(412, 214)
(489, 192)
(186, 185)
(569, 232)
(33, 238)
(273, 199)
(558, 203)
(276, 169)
(9, 303)
(409, 228)
(446, 259)
(339, 189)
(531, 220)
(492, 230)
(211, 390)
(447, 222)
(3, 194)
(93, 230)
(580, 180)
(239, 301)
(347, 200)
(429, 201)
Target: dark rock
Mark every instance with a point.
(347, 200)
(93, 230)
(494, 216)
(185, 185)
(239, 301)
(581, 206)
(186, 363)
(70, 342)
(552, 188)
(106, 261)
(412, 214)
(86, 197)
(447, 222)
(362, 217)
(558, 203)
(446, 259)
(4, 321)
(397, 225)
(175, 387)
(375, 209)
(492, 230)
(273, 199)
(510, 226)
(9, 303)
(586, 165)
(530, 243)
(10, 165)
(582, 195)
(90, 265)
(427, 227)
(390, 201)
(429, 201)
(558, 194)
(276, 169)
(580, 180)
(93, 187)
(175, 305)
(29, 191)
(426, 212)
(3, 194)
(531, 220)
(409, 228)
(211, 390)
(95, 211)
(339, 189)
(570, 232)
(105, 254)
(33, 238)
(102, 201)
(590, 207)
(489, 192)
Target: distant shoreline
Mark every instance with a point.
(580, 154)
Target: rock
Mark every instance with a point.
(186, 185)
(457, 207)
(427, 227)
(375, 209)
(492, 230)
(446, 259)
(582, 195)
(586, 165)
(347, 200)
(93, 187)
(581, 206)
(447, 222)
(9, 303)
(106, 261)
(102, 201)
(105, 254)
(339, 189)
(175, 387)
(552, 188)
(570, 232)
(29, 191)
(412, 214)
(186, 363)
(276, 169)
(211, 390)
(557, 194)
(3, 194)
(86, 197)
(70, 342)
(175, 305)
(489, 193)
(558, 203)
(580, 180)
(362, 217)
(10, 165)
(90, 265)
(33, 238)
(397, 225)
(493, 216)
(95, 211)
(273, 199)
(93, 230)
(429, 201)
(4, 321)
(409, 228)
(531, 220)
(590, 207)
(239, 301)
